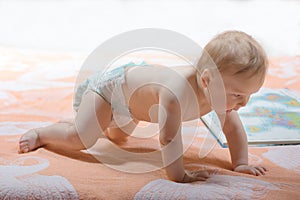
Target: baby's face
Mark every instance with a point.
(238, 90)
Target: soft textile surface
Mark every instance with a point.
(36, 89)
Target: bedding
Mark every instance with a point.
(36, 89)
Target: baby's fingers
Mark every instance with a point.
(196, 176)
(202, 174)
(252, 171)
(260, 170)
(257, 172)
(246, 169)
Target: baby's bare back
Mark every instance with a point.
(144, 86)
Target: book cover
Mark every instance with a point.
(271, 117)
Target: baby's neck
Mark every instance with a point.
(203, 103)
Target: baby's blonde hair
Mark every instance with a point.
(236, 52)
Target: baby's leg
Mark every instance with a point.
(56, 134)
(93, 116)
(120, 135)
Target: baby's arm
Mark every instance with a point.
(238, 145)
(171, 141)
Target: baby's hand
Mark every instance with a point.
(195, 176)
(253, 170)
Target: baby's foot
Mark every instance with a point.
(29, 141)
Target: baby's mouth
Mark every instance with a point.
(228, 111)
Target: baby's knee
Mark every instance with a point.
(71, 130)
(74, 139)
(116, 135)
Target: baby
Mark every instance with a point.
(111, 105)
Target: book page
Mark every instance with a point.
(272, 116)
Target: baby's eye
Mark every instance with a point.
(236, 95)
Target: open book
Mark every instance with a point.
(270, 117)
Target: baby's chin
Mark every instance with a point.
(228, 111)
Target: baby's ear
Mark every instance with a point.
(205, 78)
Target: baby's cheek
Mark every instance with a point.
(230, 102)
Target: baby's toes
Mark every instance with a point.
(23, 147)
(29, 141)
